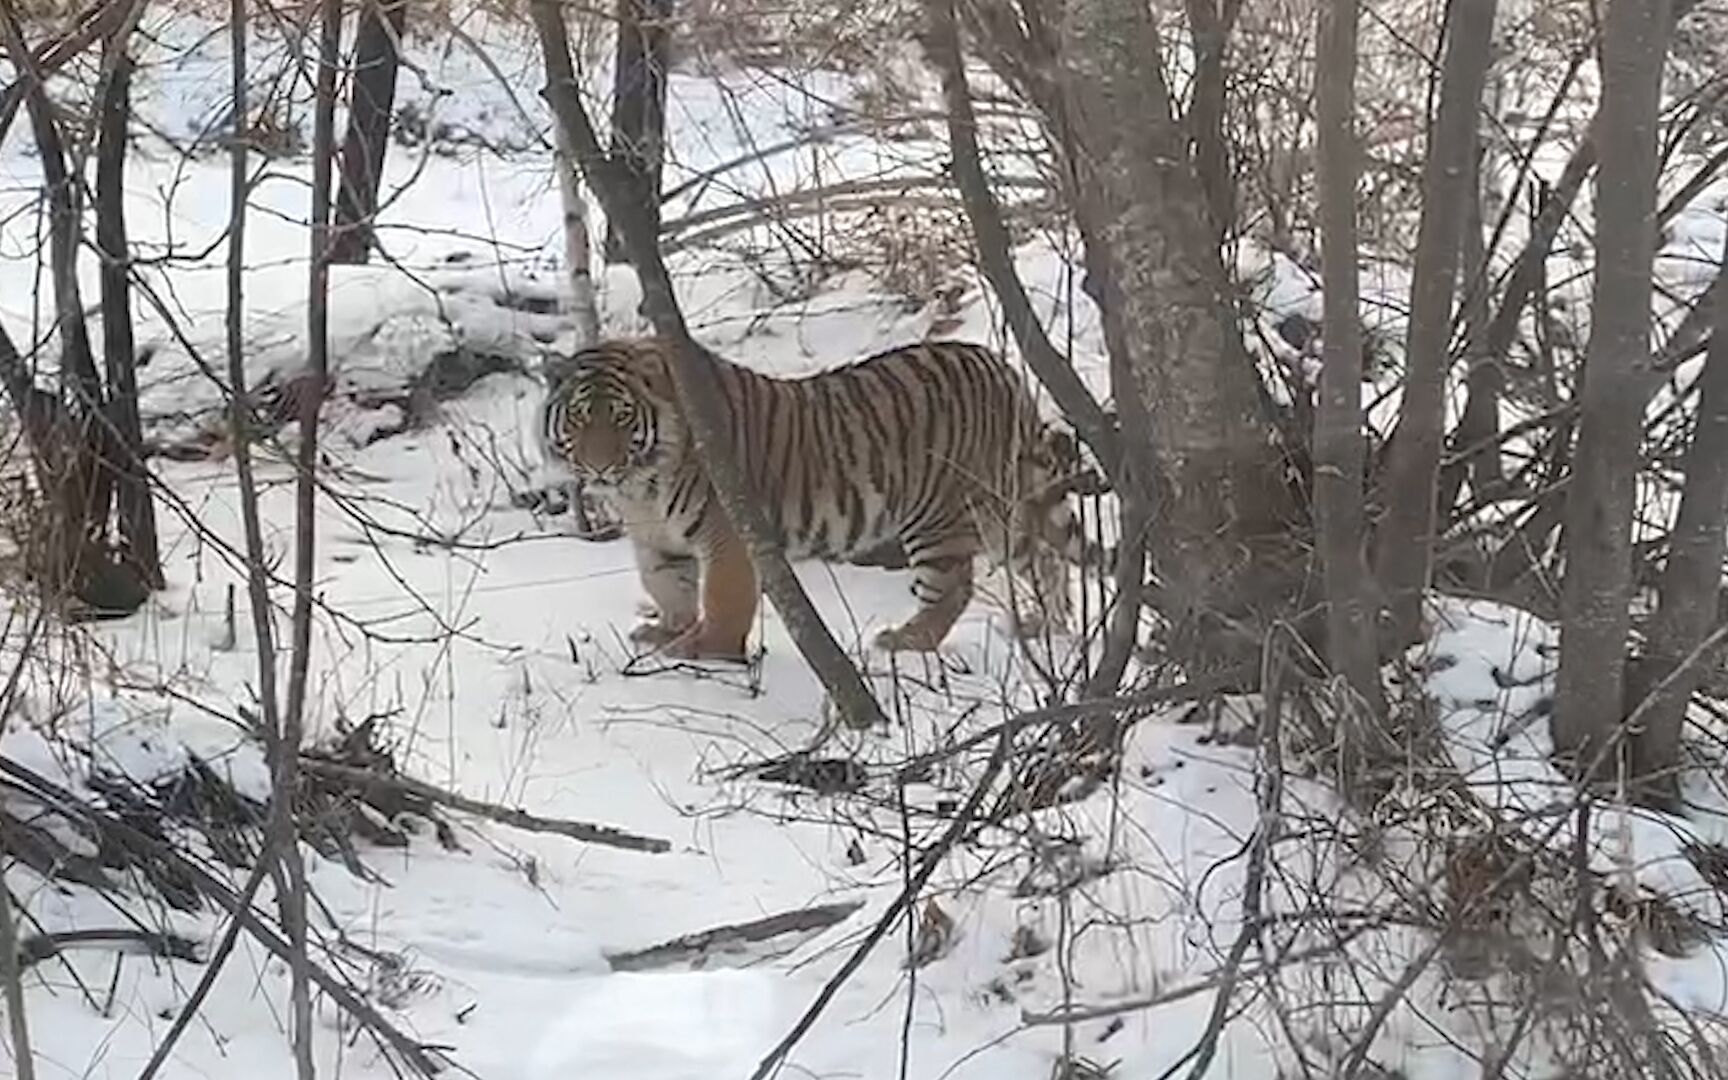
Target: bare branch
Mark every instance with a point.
(515, 818)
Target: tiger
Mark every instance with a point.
(936, 449)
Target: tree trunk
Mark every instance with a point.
(1209, 24)
(1691, 577)
(1475, 448)
(1405, 545)
(1219, 545)
(639, 107)
(367, 142)
(1351, 639)
(1597, 590)
(123, 431)
(696, 381)
(65, 553)
(580, 302)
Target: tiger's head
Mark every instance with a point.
(605, 418)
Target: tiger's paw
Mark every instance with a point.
(699, 642)
(907, 638)
(656, 634)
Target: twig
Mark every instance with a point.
(218, 959)
(412, 1053)
(1083, 1013)
(12, 972)
(504, 815)
(932, 859)
(1139, 701)
(95, 23)
(1271, 784)
(803, 921)
(39, 947)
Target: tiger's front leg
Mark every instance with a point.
(671, 581)
(729, 596)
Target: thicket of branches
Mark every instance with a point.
(1561, 445)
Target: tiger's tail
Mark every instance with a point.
(1064, 474)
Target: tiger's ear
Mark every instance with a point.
(652, 368)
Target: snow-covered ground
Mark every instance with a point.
(491, 644)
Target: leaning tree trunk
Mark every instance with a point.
(370, 103)
(639, 107)
(1351, 643)
(1220, 546)
(1405, 544)
(696, 382)
(1597, 592)
(122, 430)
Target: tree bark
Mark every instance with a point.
(136, 510)
(1692, 576)
(1405, 545)
(695, 379)
(1351, 638)
(1219, 545)
(1596, 593)
(1209, 24)
(644, 55)
(1474, 445)
(367, 142)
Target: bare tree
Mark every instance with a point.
(69, 431)
(370, 103)
(1338, 434)
(1529, 268)
(644, 55)
(1597, 590)
(1691, 582)
(1405, 548)
(1220, 547)
(695, 380)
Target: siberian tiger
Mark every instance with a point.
(936, 447)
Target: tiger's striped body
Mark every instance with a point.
(936, 447)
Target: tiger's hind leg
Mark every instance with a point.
(942, 583)
(671, 582)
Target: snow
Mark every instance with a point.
(491, 644)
